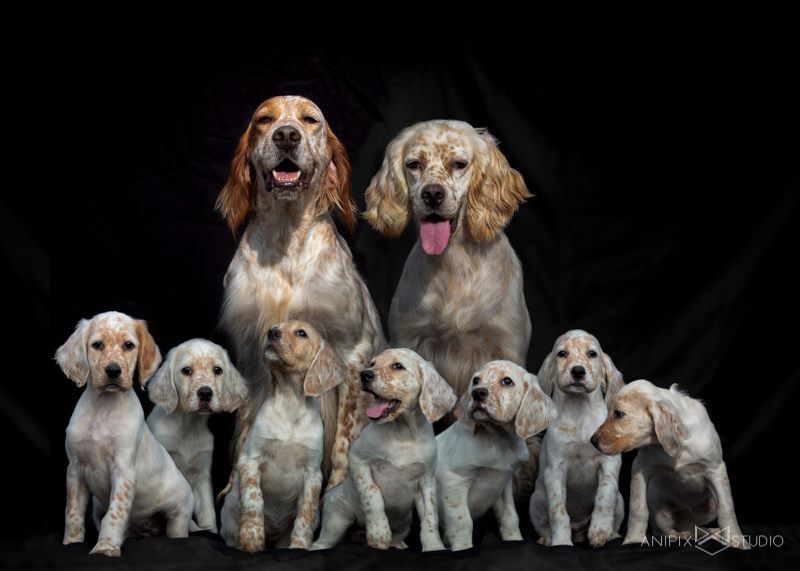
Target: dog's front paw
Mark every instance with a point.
(379, 536)
(73, 536)
(106, 547)
(739, 542)
(543, 540)
(599, 536)
(251, 539)
(633, 539)
(400, 544)
(301, 541)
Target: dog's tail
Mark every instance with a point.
(227, 489)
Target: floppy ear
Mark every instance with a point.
(149, 355)
(436, 397)
(669, 429)
(536, 411)
(387, 197)
(71, 356)
(233, 389)
(162, 389)
(612, 378)
(547, 375)
(462, 406)
(335, 193)
(495, 191)
(326, 371)
(234, 200)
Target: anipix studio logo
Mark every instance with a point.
(712, 541)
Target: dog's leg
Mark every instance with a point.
(307, 510)
(601, 528)
(112, 528)
(638, 512)
(726, 516)
(555, 481)
(204, 503)
(425, 499)
(379, 534)
(455, 512)
(77, 499)
(251, 524)
(506, 514)
(180, 516)
(337, 517)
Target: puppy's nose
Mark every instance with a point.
(577, 372)
(113, 370)
(273, 334)
(286, 137)
(432, 194)
(205, 393)
(594, 440)
(367, 376)
(480, 394)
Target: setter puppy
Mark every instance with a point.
(289, 170)
(460, 301)
(678, 479)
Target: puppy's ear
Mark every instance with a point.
(149, 355)
(462, 411)
(71, 356)
(162, 389)
(495, 191)
(536, 410)
(548, 375)
(669, 429)
(335, 193)
(436, 398)
(612, 378)
(233, 389)
(387, 197)
(326, 371)
(234, 200)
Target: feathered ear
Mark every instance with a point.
(495, 191)
(387, 197)
(71, 356)
(548, 375)
(233, 389)
(536, 410)
(462, 406)
(149, 355)
(326, 371)
(162, 389)
(436, 398)
(669, 429)
(234, 200)
(612, 378)
(335, 193)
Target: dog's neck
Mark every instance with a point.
(575, 406)
(184, 422)
(288, 385)
(411, 421)
(503, 431)
(282, 225)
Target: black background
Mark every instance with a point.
(666, 183)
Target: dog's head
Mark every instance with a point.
(107, 349)
(199, 377)
(399, 379)
(451, 178)
(288, 154)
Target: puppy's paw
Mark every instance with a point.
(251, 539)
(400, 544)
(634, 539)
(739, 542)
(599, 536)
(106, 547)
(543, 540)
(73, 536)
(379, 536)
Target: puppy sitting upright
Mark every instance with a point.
(577, 487)
(279, 469)
(392, 463)
(198, 377)
(478, 455)
(112, 454)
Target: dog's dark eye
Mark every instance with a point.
(475, 380)
(186, 371)
(459, 165)
(561, 354)
(372, 364)
(218, 371)
(592, 354)
(618, 414)
(310, 120)
(264, 119)
(97, 345)
(507, 382)
(301, 333)
(128, 346)
(398, 367)
(413, 165)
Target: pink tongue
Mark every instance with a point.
(377, 409)
(434, 236)
(287, 176)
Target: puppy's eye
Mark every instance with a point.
(475, 380)
(265, 119)
(186, 371)
(507, 382)
(128, 346)
(97, 345)
(561, 354)
(592, 354)
(371, 364)
(459, 165)
(618, 414)
(398, 367)
(413, 165)
(301, 333)
(218, 371)
(310, 120)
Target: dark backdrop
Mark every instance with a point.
(666, 191)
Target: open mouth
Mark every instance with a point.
(285, 176)
(382, 407)
(435, 232)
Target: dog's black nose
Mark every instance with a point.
(594, 440)
(367, 376)
(113, 370)
(480, 394)
(577, 372)
(205, 393)
(433, 194)
(286, 137)
(274, 333)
